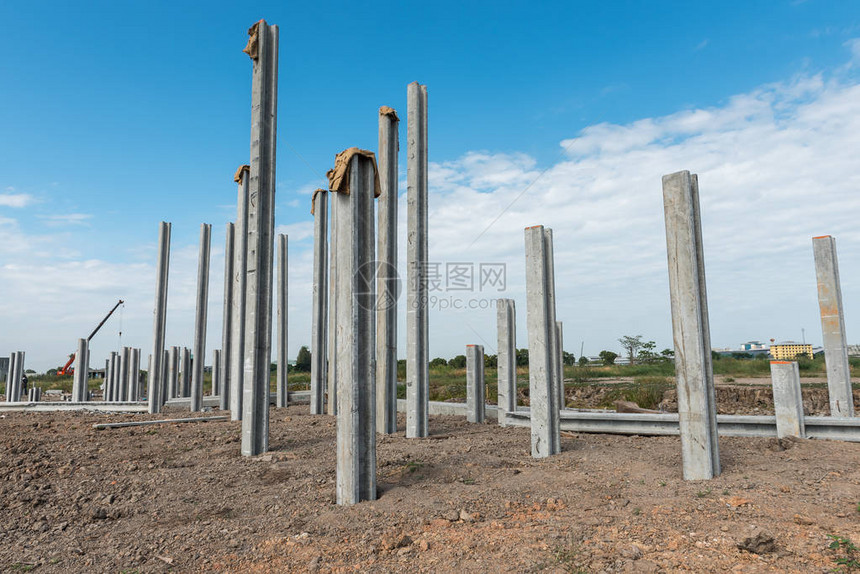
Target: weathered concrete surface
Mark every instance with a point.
(387, 281)
(356, 336)
(159, 320)
(417, 306)
(695, 379)
(787, 400)
(79, 386)
(283, 308)
(227, 321)
(199, 353)
(260, 233)
(476, 399)
(543, 389)
(240, 268)
(833, 327)
(506, 326)
(319, 312)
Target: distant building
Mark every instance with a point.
(4, 367)
(789, 350)
(753, 346)
(853, 351)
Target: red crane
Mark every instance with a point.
(67, 369)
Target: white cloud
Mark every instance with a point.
(15, 199)
(67, 219)
(776, 166)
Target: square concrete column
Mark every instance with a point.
(124, 381)
(10, 376)
(319, 311)
(697, 411)
(164, 382)
(216, 370)
(387, 279)
(417, 306)
(506, 327)
(543, 388)
(550, 286)
(356, 332)
(476, 399)
(154, 394)
(112, 379)
(240, 268)
(787, 399)
(173, 390)
(196, 394)
(559, 362)
(187, 368)
(81, 380)
(833, 327)
(260, 233)
(331, 348)
(282, 397)
(227, 321)
(134, 376)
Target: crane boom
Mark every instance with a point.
(65, 369)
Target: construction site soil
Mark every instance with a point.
(470, 498)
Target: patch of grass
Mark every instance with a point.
(645, 391)
(637, 511)
(847, 558)
(414, 465)
(567, 557)
(703, 493)
(22, 567)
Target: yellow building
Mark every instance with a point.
(789, 350)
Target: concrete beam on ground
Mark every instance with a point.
(417, 311)
(159, 320)
(387, 279)
(787, 399)
(543, 389)
(283, 335)
(260, 233)
(833, 327)
(694, 374)
(227, 320)
(356, 334)
(240, 268)
(506, 327)
(319, 311)
(81, 378)
(105, 426)
(196, 391)
(476, 400)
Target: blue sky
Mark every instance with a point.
(118, 115)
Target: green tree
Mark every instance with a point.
(583, 361)
(303, 360)
(647, 355)
(458, 362)
(438, 362)
(491, 361)
(608, 357)
(568, 358)
(522, 357)
(631, 345)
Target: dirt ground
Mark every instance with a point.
(180, 498)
